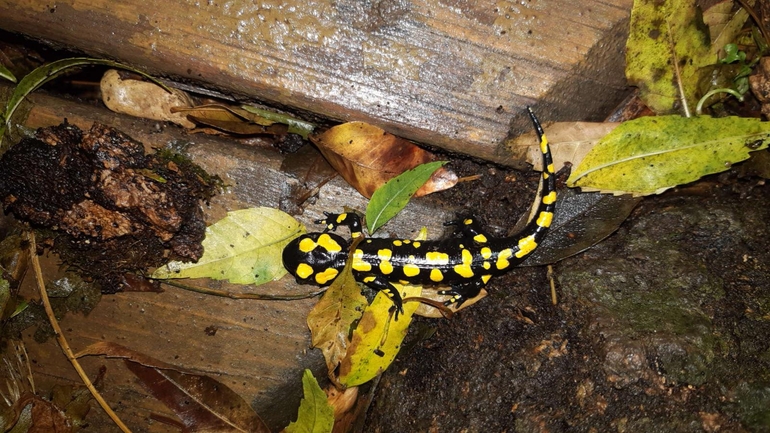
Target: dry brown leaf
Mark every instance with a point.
(569, 141)
(367, 157)
(425, 310)
(143, 99)
(202, 403)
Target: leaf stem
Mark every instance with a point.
(678, 73)
(699, 107)
(232, 295)
(60, 336)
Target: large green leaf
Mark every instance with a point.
(651, 154)
(666, 49)
(244, 247)
(390, 198)
(5, 73)
(315, 415)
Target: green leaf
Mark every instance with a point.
(46, 73)
(665, 52)
(377, 338)
(244, 247)
(315, 415)
(651, 154)
(5, 73)
(390, 198)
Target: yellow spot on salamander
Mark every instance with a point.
(502, 258)
(550, 168)
(550, 198)
(397, 243)
(386, 268)
(485, 278)
(369, 279)
(407, 241)
(326, 276)
(486, 253)
(385, 254)
(468, 221)
(330, 244)
(307, 245)
(341, 217)
(416, 244)
(544, 145)
(464, 270)
(436, 258)
(486, 265)
(480, 238)
(436, 275)
(526, 245)
(544, 219)
(304, 270)
(358, 262)
(411, 270)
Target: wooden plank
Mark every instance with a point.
(450, 73)
(259, 348)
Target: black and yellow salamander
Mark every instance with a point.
(464, 263)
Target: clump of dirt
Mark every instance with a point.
(108, 209)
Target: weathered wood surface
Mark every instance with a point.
(450, 73)
(260, 347)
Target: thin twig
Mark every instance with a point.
(678, 73)
(234, 295)
(60, 336)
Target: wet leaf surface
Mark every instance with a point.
(244, 248)
(651, 154)
(366, 157)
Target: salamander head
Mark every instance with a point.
(316, 258)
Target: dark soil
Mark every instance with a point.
(663, 327)
(106, 207)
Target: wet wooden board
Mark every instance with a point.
(451, 73)
(258, 348)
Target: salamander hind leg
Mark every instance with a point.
(462, 292)
(468, 226)
(380, 284)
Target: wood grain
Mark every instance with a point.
(450, 73)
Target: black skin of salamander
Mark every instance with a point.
(465, 263)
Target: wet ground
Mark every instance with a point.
(662, 327)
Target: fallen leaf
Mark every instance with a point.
(569, 142)
(244, 247)
(580, 221)
(331, 319)
(366, 157)
(724, 24)
(143, 99)
(315, 415)
(651, 154)
(665, 52)
(377, 338)
(200, 402)
(391, 197)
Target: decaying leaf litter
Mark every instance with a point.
(557, 347)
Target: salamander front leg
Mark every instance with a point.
(462, 292)
(380, 284)
(348, 219)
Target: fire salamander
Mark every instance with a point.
(464, 263)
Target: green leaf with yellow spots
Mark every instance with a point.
(377, 338)
(390, 198)
(651, 154)
(331, 319)
(244, 247)
(666, 51)
(315, 414)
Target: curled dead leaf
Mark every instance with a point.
(143, 99)
(366, 156)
